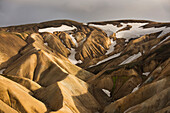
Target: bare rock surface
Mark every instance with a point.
(64, 66)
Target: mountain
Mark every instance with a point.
(66, 66)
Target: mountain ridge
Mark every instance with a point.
(64, 66)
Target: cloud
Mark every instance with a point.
(29, 11)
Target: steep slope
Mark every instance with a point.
(129, 52)
(65, 66)
(14, 95)
(144, 100)
(76, 37)
(36, 58)
(54, 73)
(11, 43)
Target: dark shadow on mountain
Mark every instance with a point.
(51, 96)
(92, 101)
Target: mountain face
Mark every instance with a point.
(65, 66)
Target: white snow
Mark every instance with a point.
(72, 57)
(134, 32)
(164, 40)
(146, 73)
(107, 92)
(74, 40)
(160, 42)
(61, 28)
(111, 48)
(154, 46)
(1, 71)
(136, 88)
(106, 59)
(127, 111)
(137, 31)
(46, 43)
(131, 58)
(109, 29)
(165, 31)
(84, 23)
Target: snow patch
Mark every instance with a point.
(84, 23)
(61, 28)
(154, 46)
(111, 48)
(74, 40)
(137, 31)
(72, 57)
(107, 92)
(136, 88)
(106, 59)
(165, 31)
(46, 43)
(164, 40)
(131, 58)
(146, 73)
(109, 29)
(2, 70)
(160, 42)
(134, 32)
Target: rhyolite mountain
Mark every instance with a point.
(64, 66)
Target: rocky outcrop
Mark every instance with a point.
(55, 43)
(66, 39)
(94, 46)
(113, 36)
(79, 36)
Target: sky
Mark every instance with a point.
(16, 12)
